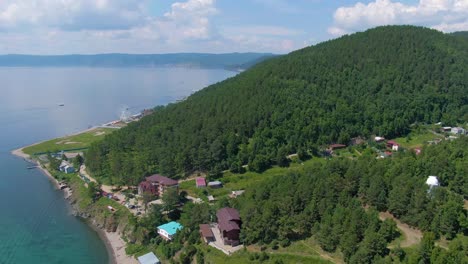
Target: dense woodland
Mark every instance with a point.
(328, 201)
(375, 82)
(378, 82)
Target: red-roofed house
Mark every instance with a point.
(392, 144)
(159, 183)
(229, 224)
(200, 182)
(417, 151)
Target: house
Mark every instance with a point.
(211, 198)
(147, 187)
(206, 233)
(446, 129)
(149, 258)
(432, 181)
(215, 184)
(229, 225)
(167, 231)
(457, 131)
(379, 139)
(336, 146)
(393, 145)
(200, 182)
(235, 194)
(160, 183)
(66, 167)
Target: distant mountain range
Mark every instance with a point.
(230, 61)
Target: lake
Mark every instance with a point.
(36, 225)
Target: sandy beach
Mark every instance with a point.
(116, 246)
(114, 243)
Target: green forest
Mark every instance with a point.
(376, 82)
(338, 203)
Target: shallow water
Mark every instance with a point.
(35, 222)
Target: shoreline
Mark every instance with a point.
(114, 243)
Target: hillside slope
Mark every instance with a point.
(375, 82)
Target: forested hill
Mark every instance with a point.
(375, 82)
(231, 61)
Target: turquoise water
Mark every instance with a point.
(35, 222)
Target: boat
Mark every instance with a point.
(61, 104)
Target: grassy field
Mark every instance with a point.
(82, 140)
(416, 139)
(233, 181)
(213, 255)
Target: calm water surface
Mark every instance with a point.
(35, 222)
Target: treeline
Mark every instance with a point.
(328, 201)
(376, 82)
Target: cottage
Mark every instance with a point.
(211, 198)
(66, 167)
(235, 194)
(167, 231)
(215, 184)
(432, 181)
(379, 139)
(457, 131)
(160, 183)
(206, 233)
(336, 146)
(149, 258)
(229, 224)
(446, 129)
(393, 145)
(200, 182)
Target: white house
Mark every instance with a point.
(432, 181)
(457, 131)
(66, 167)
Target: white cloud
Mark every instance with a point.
(72, 14)
(127, 26)
(445, 15)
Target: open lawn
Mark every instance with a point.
(234, 181)
(213, 255)
(81, 140)
(415, 139)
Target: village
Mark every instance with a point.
(223, 233)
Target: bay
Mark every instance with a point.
(35, 221)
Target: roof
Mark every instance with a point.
(333, 146)
(228, 218)
(214, 183)
(205, 230)
(379, 138)
(200, 181)
(432, 181)
(391, 142)
(171, 228)
(149, 258)
(161, 180)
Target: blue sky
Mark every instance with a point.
(163, 26)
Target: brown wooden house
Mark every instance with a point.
(159, 185)
(229, 224)
(206, 233)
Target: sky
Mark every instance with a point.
(214, 26)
